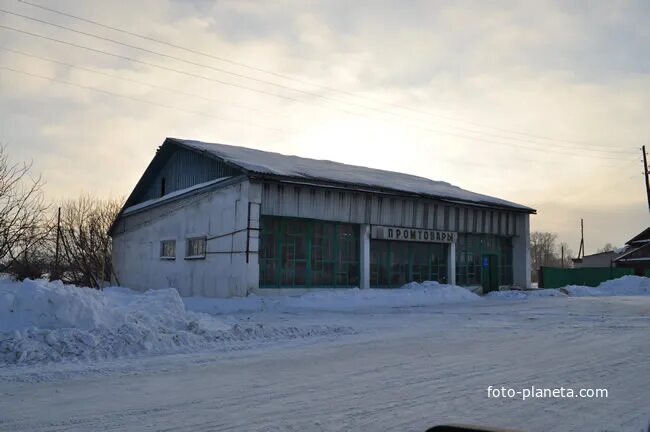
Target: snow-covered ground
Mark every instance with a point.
(78, 359)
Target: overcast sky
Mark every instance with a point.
(542, 103)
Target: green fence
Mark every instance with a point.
(552, 277)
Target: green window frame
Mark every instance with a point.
(470, 249)
(395, 263)
(308, 253)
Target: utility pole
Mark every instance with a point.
(56, 250)
(645, 175)
(562, 248)
(581, 251)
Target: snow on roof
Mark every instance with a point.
(172, 195)
(276, 164)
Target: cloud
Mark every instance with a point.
(438, 89)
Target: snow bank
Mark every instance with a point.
(53, 305)
(43, 321)
(521, 295)
(623, 286)
(410, 295)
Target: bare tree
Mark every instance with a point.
(85, 243)
(607, 248)
(36, 255)
(22, 212)
(542, 249)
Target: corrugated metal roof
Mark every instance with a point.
(273, 164)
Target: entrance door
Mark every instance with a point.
(489, 273)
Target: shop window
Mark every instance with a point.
(470, 249)
(308, 253)
(394, 263)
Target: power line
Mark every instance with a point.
(106, 92)
(546, 150)
(608, 151)
(170, 69)
(287, 77)
(468, 137)
(224, 71)
(117, 77)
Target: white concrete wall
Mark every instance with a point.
(521, 252)
(221, 215)
(597, 260)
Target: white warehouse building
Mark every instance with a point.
(218, 221)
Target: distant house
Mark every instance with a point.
(600, 259)
(636, 254)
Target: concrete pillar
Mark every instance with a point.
(451, 264)
(521, 252)
(364, 259)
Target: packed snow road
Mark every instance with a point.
(402, 369)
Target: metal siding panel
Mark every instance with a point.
(404, 213)
(356, 207)
(483, 220)
(368, 202)
(447, 218)
(302, 205)
(472, 220)
(345, 201)
(466, 226)
(453, 219)
(417, 214)
(425, 215)
(185, 169)
(290, 201)
(515, 225)
(493, 222)
(433, 215)
(279, 199)
(440, 214)
(375, 210)
(462, 219)
(385, 210)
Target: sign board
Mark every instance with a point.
(381, 232)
